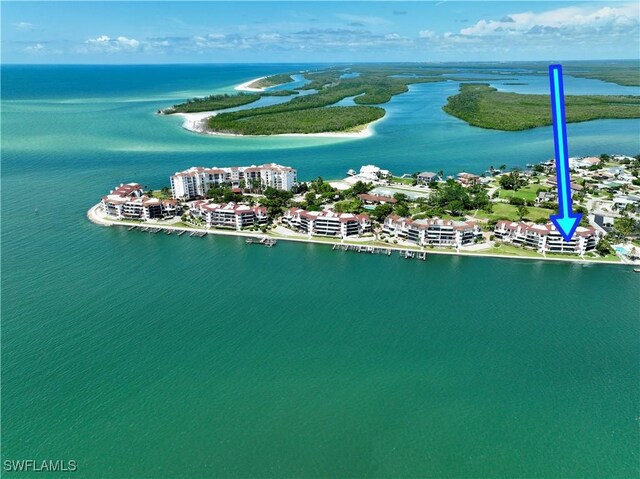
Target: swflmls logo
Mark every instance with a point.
(31, 465)
(566, 220)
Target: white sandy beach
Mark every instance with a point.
(196, 122)
(245, 86)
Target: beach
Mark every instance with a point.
(245, 86)
(196, 122)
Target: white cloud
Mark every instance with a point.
(35, 48)
(24, 26)
(362, 19)
(545, 31)
(427, 34)
(569, 19)
(108, 44)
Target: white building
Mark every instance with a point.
(432, 232)
(129, 201)
(196, 181)
(229, 215)
(546, 238)
(327, 223)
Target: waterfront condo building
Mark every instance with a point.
(546, 238)
(229, 215)
(432, 232)
(196, 181)
(327, 223)
(129, 201)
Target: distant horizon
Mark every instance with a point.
(487, 62)
(135, 33)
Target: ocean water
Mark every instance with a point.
(153, 356)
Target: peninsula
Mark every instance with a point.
(494, 214)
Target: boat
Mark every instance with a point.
(636, 270)
(351, 172)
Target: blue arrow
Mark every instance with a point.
(566, 220)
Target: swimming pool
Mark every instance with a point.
(622, 250)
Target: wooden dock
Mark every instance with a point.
(268, 242)
(404, 253)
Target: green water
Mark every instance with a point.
(154, 356)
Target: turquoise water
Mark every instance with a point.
(152, 356)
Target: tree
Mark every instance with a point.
(522, 211)
(359, 188)
(382, 211)
(603, 247)
(502, 167)
(401, 209)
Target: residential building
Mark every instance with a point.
(546, 238)
(432, 232)
(327, 223)
(427, 177)
(196, 181)
(629, 201)
(129, 201)
(468, 179)
(229, 215)
(546, 196)
(376, 199)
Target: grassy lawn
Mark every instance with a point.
(503, 210)
(609, 257)
(511, 250)
(402, 181)
(527, 193)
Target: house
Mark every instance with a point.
(326, 223)
(622, 202)
(546, 196)
(468, 179)
(376, 199)
(427, 177)
(546, 238)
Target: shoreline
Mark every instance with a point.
(93, 216)
(245, 86)
(195, 123)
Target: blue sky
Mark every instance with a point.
(278, 32)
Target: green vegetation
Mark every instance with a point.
(527, 193)
(212, 103)
(272, 80)
(315, 120)
(481, 105)
(307, 114)
(503, 211)
(625, 73)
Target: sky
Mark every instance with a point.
(316, 31)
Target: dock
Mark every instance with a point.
(268, 242)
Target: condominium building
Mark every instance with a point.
(546, 238)
(432, 232)
(229, 215)
(196, 181)
(129, 201)
(327, 223)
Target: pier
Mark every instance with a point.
(268, 242)
(405, 253)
